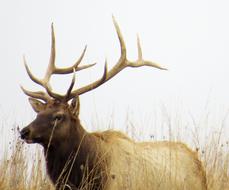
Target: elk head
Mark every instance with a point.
(57, 113)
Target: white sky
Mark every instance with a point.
(190, 38)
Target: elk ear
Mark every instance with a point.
(75, 106)
(37, 105)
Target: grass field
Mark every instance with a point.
(22, 166)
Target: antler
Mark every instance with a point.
(122, 63)
(52, 69)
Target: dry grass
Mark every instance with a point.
(215, 157)
(23, 169)
(18, 172)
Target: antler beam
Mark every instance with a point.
(122, 63)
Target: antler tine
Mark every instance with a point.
(71, 85)
(120, 65)
(76, 66)
(31, 76)
(51, 67)
(141, 62)
(122, 58)
(90, 86)
(37, 95)
(139, 48)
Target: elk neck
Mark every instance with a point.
(78, 149)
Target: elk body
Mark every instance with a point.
(109, 160)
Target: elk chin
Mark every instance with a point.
(38, 140)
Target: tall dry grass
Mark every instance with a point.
(215, 157)
(22, 166)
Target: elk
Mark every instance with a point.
(108, 160)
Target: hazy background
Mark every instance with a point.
(190, 38)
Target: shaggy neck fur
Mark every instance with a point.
(71, 161)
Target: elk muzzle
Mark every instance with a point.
(26, 135)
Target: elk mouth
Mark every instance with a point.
(29, 141)
(33, 140)
(25, 135)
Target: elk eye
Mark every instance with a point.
(58, 117)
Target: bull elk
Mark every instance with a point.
(109, 160)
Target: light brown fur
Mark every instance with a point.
(150, 165)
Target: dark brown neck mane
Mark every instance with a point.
(72, 160)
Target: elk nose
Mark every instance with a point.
(24, 133)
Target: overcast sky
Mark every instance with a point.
(190, 38)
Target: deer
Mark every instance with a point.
(108, 160)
